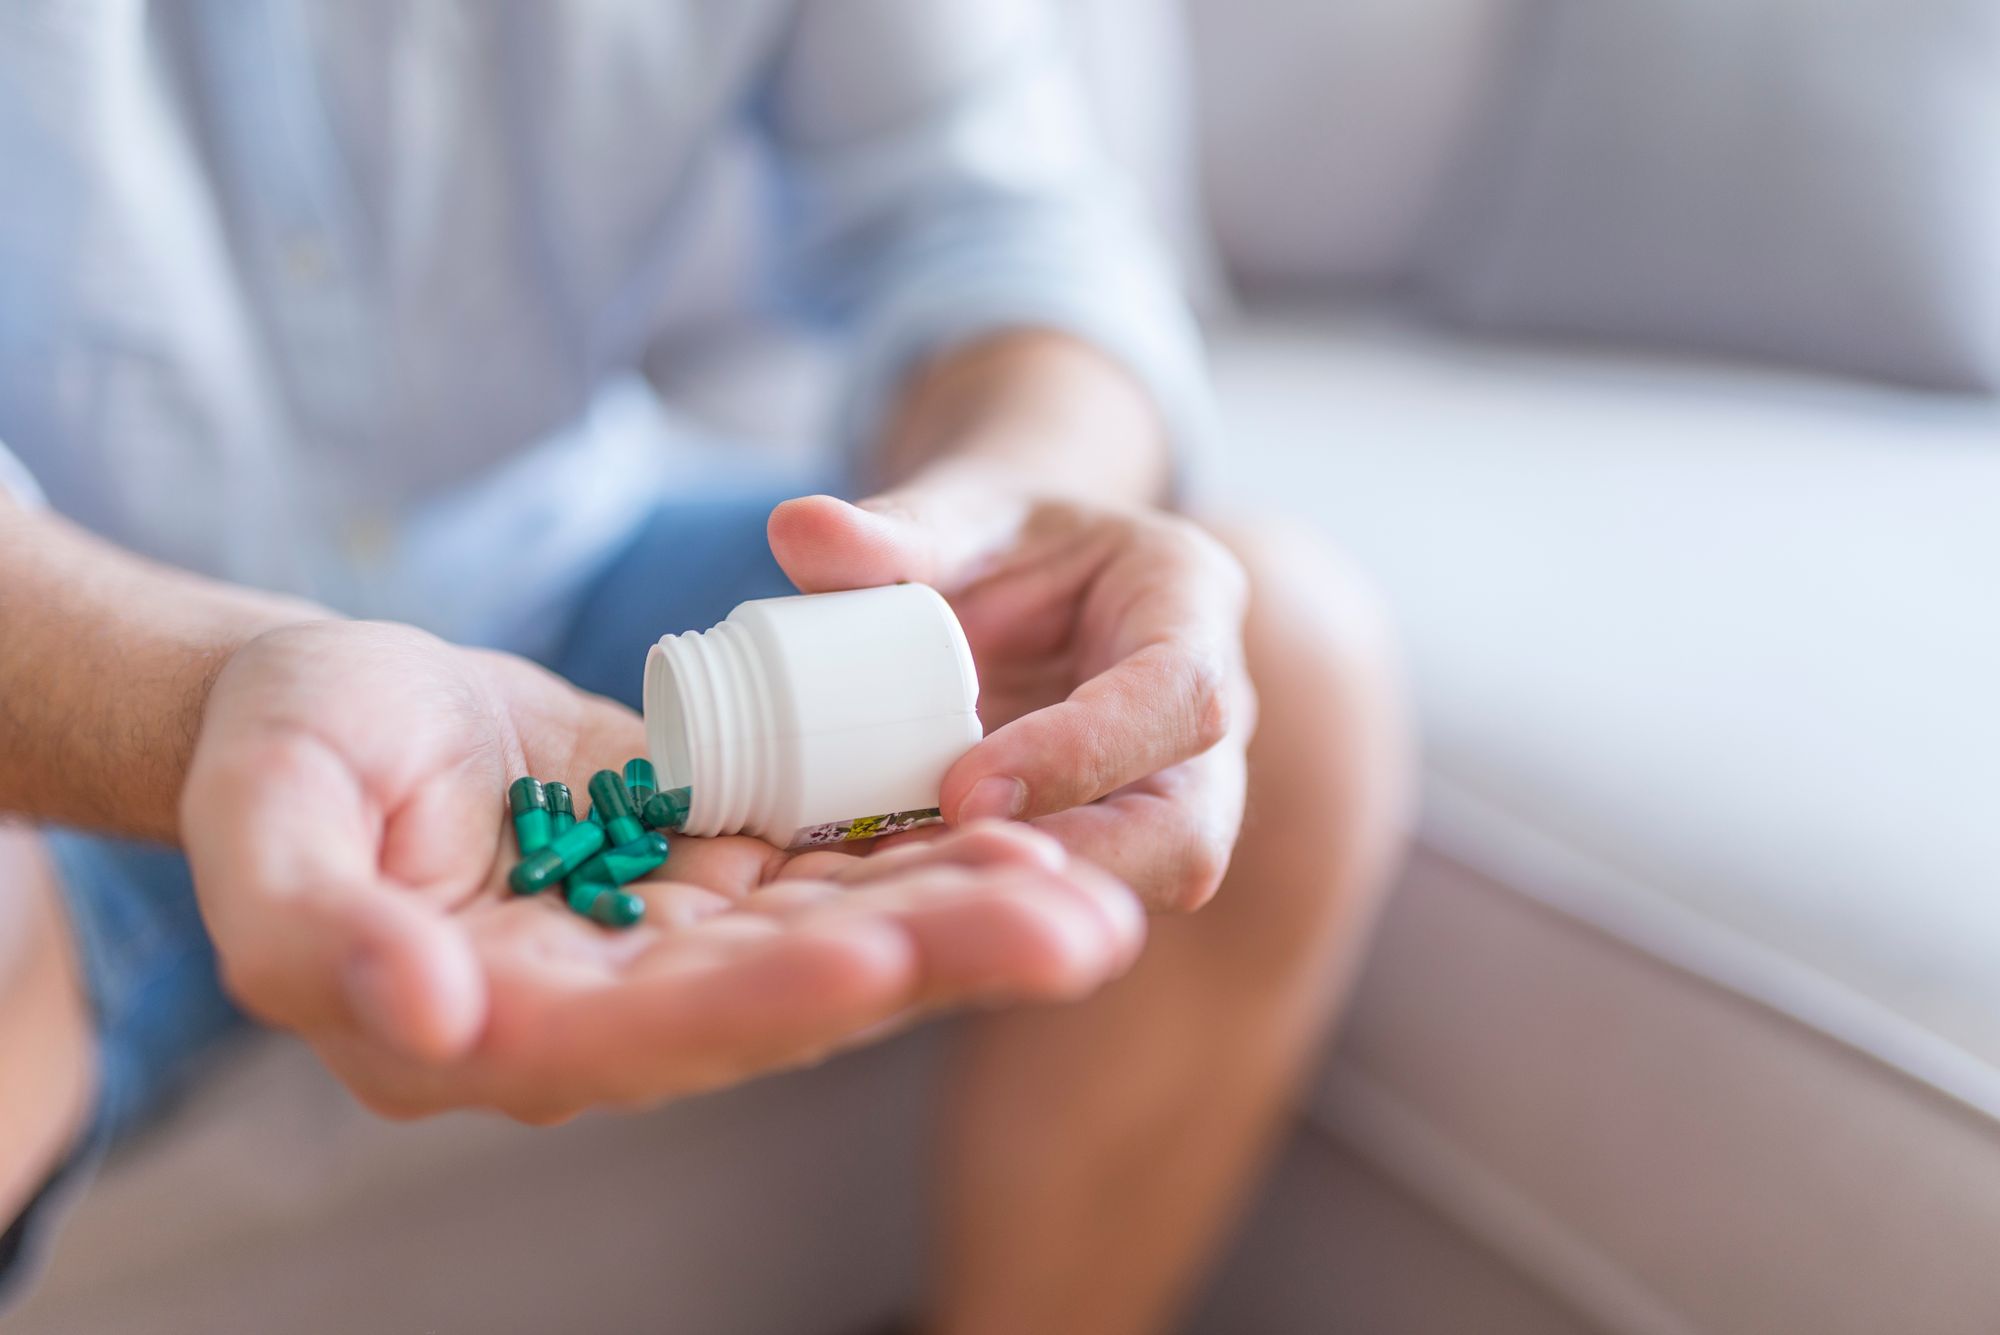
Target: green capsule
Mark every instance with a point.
(562, 808)
(564, 854)
(617, 908)
(592, 889)
(590, 895)
(530, 804)
(629, 862)
(595, 817)
(667, 810)
(640, 780)
(582, 886)
(609, 794)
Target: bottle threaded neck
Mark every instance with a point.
(709, 713)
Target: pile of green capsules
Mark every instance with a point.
(620, 840)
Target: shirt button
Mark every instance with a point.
(307, 258)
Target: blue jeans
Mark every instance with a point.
(148, 963)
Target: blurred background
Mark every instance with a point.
(1646, 352)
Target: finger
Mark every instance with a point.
(915, 874)
(282, 847)
(831, 970)
(824, 543)
(703, 1017)
(1177, 688)
(714, 1004)
(1170, 837)
(1166, 703)
(1004, 933)
(983, 845)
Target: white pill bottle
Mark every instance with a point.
(814, 719)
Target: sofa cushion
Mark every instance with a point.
(1778, 178)
(1328, 130)
(1689, 1005)
(1729, 630)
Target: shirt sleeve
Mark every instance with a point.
(939, 178)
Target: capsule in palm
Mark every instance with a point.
(640, 781)
(603, 902)
(667, 810)
(609, 795)
(593, 889)
(564, 854)
(629, 862)
(529, 803)
(617, 908)
(562, 808)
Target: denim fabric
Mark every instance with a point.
(148, 965)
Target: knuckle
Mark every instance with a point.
(1205, 689)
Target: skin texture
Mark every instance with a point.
(337, 805)
(106, 660)
(356, 896)
(330, 782)
(1112, 681)
(1108, 632)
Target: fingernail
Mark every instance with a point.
(365, 981)
(995, 797)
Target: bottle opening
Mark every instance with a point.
(666, 722)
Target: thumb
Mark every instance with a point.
(308, 936)
(353, 959)
(824, 543)
(407, 979)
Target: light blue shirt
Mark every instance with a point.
(344, 297)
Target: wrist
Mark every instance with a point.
(204, 651)
(117, 653)
(1029, 414)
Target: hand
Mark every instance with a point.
(344, 817)
(1109, 648)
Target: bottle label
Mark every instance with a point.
(865, 827)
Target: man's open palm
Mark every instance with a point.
(344, 817)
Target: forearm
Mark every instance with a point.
(105, 662)
(1028, 411)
